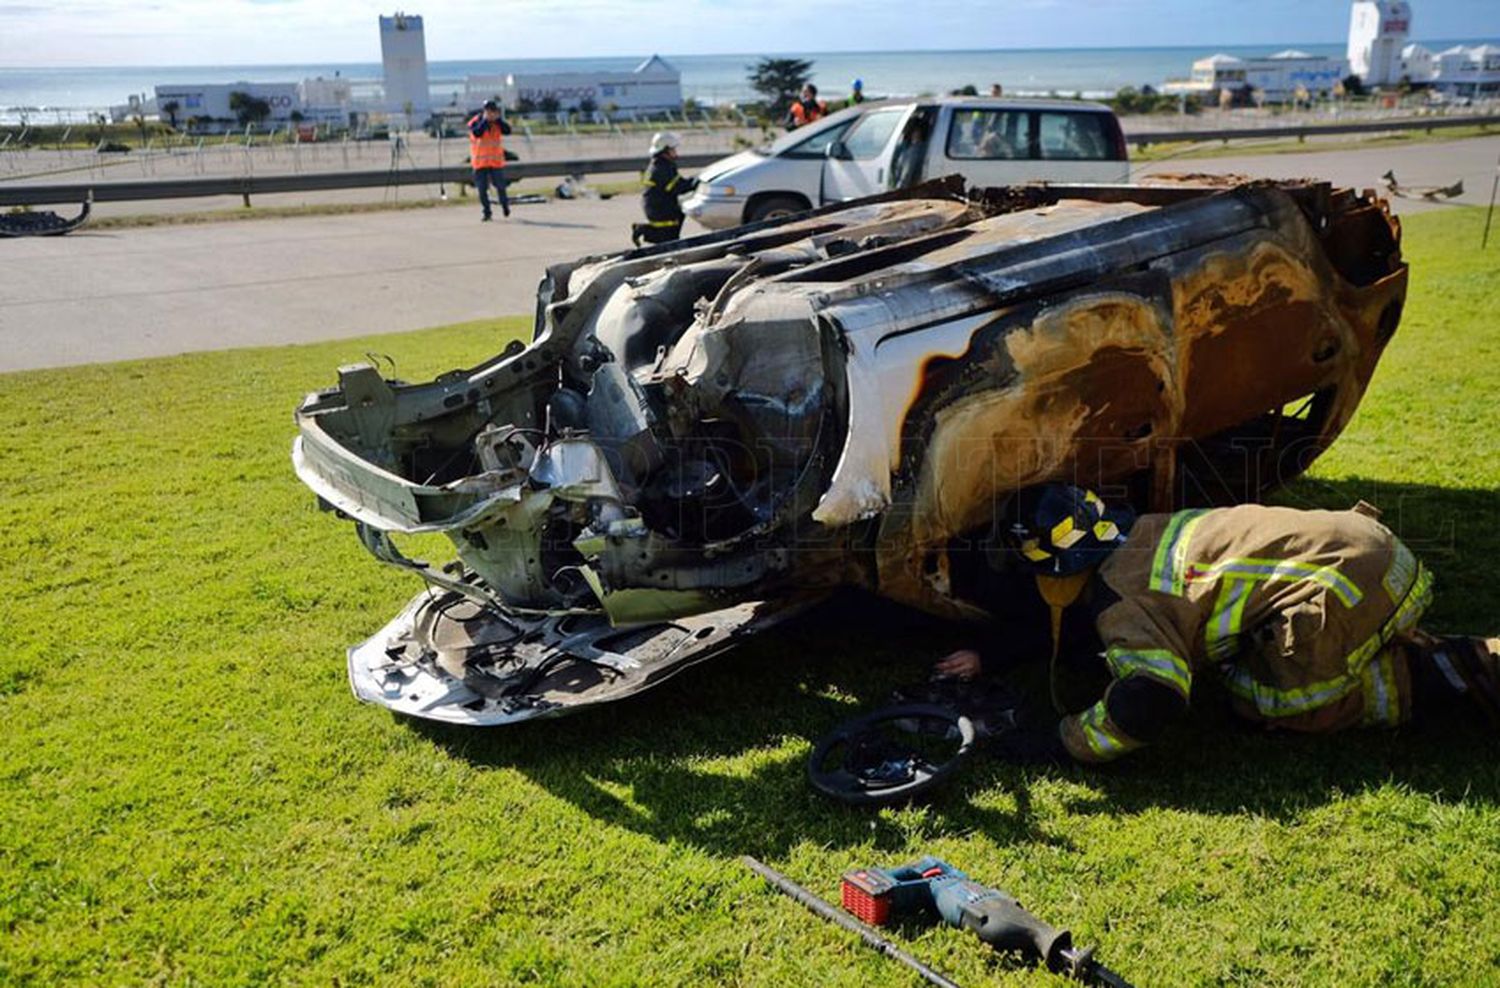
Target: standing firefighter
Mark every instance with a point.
(1309, 617)
(663, 188)
(487, 130)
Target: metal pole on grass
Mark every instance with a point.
(1494, 187)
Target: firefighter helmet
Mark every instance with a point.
(663, 139)
(1059, 529)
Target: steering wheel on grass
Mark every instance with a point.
(891, 755)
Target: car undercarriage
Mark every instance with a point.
(705, 436)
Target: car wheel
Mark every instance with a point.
(774, 208)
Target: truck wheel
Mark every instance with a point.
(774, 208)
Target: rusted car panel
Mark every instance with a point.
(702, 433)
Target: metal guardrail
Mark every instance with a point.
(249, 185)
(260, 185)
(1142, 139)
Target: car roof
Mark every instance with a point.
(989, 103)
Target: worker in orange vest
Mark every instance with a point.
(806, 109)
(487, 130)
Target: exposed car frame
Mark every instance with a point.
(704, 436)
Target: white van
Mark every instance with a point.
(896, 143)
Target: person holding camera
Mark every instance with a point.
(487, 130)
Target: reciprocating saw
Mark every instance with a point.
(880, 896)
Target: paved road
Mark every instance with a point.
(113, 295)
(1472, 160)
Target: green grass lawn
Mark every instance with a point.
(190, 796)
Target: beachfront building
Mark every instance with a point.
(1279, 78)
(653, 85)
(403, 57)
(1466, 71)
(213, 107)
(1378, 30)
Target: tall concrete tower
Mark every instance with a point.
(1378, 30)
(403, 52)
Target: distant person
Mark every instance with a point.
(487, 130)
(806, 109)
(856, 92)
(663, 189)
(995, 90)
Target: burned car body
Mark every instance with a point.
(703, 435)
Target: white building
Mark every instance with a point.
(403, 56)
(1279, 78)
(655, 84)
(1418, 63)
(1466, 71)
(1378, 30)
(208, 107)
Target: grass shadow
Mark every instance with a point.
(715, 758)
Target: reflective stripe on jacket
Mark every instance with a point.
(661, 187)
(1295, 610)
(486, 150)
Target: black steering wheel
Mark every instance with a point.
(891, 755)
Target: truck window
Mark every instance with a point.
(870, 136)
(1074, 137)
(990, 135)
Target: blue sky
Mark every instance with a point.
(35, 33)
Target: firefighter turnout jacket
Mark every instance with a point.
(662, 186)
(487, 142)
(1301, 613)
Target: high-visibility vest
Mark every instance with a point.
(487, 151)
(802, 114)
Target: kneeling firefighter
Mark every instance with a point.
(663, 188)
(1309, 617)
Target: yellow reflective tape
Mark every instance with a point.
(1378, 681)
(1032, 550)
(1221, 633)
(1271, 701)
(1065, 534)
(1418, 598)
(1271, 570)
(1400, 574)
(1106, 531)
(1170, 562)
(1095, 501)
(1104, 741)
(673, 184)
(1158, 663)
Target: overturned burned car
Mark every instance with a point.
(702, 436)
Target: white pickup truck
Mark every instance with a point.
(894, 144)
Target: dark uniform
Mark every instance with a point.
(664, 187)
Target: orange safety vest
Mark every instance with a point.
(487, 151)
(802, 116)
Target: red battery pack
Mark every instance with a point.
(865, 896)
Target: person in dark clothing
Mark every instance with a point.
(663, 189)
(487, 130)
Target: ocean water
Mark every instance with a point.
(54, 95)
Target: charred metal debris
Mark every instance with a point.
(703, 434)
